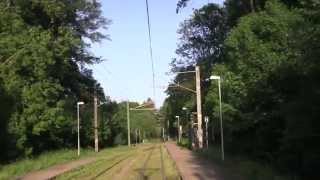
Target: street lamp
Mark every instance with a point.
(178, 127)
(78, 104)
(206, 120)
(220, 113)
(190, 125)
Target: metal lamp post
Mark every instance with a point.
(220, 113)
(178, 127)
(190, 126)
(78, 104)
(206, 120)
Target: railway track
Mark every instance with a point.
(110, 167)
(146, 162)
(118, 162)
(163, 174)
(142, 174)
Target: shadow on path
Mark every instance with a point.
(193, 167)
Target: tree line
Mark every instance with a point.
(44, 72)
(266, 52)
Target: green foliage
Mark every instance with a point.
(6, 109)
(45, 160)
(43, 52)
(202, 42)
(269, 66)
(267, 56)
(145, 121)
(185, 143)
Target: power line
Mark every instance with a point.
(123, 91)
(105, 68)
(150, 49)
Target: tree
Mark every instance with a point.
(270, 78)
(47, 45)
(6, 110)
(265, 53)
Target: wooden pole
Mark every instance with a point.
(96, 137)
(199, 110)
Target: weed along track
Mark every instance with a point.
(153, 166)
(163, 174)
(142, 174)
(110, 167)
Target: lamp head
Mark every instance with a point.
(206, 119)
(214, 77)
(80, 103)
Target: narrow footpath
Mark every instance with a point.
(192, 167)
(56, 170)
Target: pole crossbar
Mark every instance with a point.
(145, 109)
(182, 87)
(142, 105)
(185, 72)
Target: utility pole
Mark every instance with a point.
(128, 123)
(199, 111)
(199, 134)
(95, 116)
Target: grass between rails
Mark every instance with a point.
(107, 159)
(126, 163)
(47, 159)
(170, 168)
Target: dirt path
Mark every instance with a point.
(56, 170)
(191, 167)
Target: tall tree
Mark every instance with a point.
(47, 44)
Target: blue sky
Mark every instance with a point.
(126, 73)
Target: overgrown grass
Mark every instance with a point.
(110, 165)
(106, 159)
(244, 167)
(23, 166)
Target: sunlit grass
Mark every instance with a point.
(106, 159)
(137, 156)
(23, 166)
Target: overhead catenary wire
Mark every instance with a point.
(150, 49)
(123, 91)
(105, 68)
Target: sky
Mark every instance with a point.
(126, 72)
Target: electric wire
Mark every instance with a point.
(150, 49)
(123, 91)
